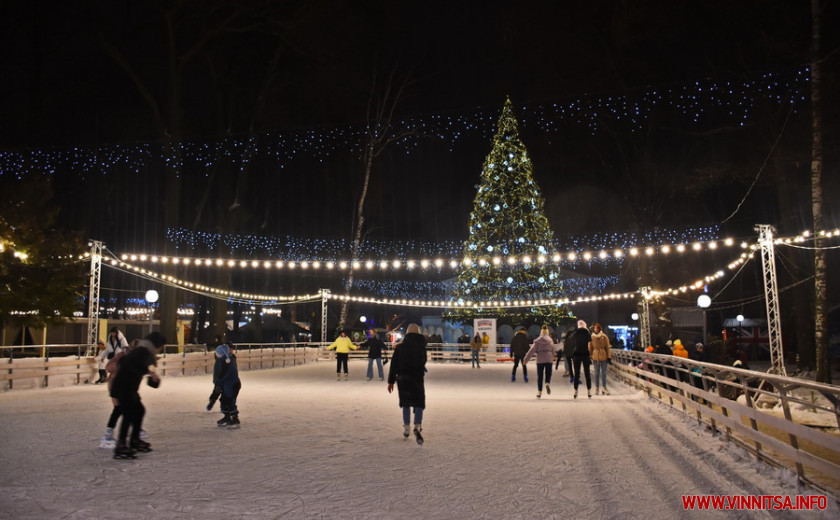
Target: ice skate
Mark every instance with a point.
(140, 446)
(588, 394)
(407, 431)
(575, 394)
(124, 452)
(338, 376)
(417, 436)
(108, 441)
(547, 389)
(346, 376)
(512, 379)
(597, 390)
(525, 378)
(234, 423)
(539, 395)
(606, 392)
(224, 421)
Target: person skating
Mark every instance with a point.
(519, 346)
(116, 342)
(108, 440)
(126, 387)
(375, 348)
(101, 362)
(230, 385)
(568, 353)
(599, 353)
(219, 351)
(475, 351)
(408, 370)
(581, 357)
(543, 348)
(342, 346)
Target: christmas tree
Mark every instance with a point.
(509, 248)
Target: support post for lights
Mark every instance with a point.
(740, 319)
(93, 295)
(151, 297)
(325, 296)
(703, 301)
(771, 297)
(644, 319)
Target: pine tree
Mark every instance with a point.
(41, 278)
(508, 221)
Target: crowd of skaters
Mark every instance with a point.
(123, 366)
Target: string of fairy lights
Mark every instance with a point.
(323, 249)
(748, 253)
(733, 100)
(389, 264)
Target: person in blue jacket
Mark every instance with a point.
(227, 374)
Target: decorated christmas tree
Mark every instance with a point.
(509, 248)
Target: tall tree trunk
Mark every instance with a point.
(359, 224)
(380, 112)
(820, 289)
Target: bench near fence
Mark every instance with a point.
(42, 372)
(786, 421)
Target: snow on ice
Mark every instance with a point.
(314, 447)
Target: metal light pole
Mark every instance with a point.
(703, 301)
(740, 319)
(151, 297)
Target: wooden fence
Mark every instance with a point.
(22, 369)
(786, 421)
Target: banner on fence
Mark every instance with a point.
(486, 328)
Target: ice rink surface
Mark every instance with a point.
(314, 447)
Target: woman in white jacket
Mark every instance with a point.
(543, 348)
(116, 342)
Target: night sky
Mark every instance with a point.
(252, 69)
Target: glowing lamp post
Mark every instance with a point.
(151, 297)
(703, 301)
(740, 319)
(635, 317)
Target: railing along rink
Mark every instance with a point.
(788, 422)
(42, 366)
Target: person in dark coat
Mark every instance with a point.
(568, 352)
(408, 369)
(519, 346)
(132, 367)
(581, 357)
(375, 348)
(228, 373)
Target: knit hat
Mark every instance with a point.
(649, 349)
(581, 324)
(223, 351)
(413, 329)
(544, 329)
(669, 343)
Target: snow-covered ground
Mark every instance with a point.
(314, 447)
